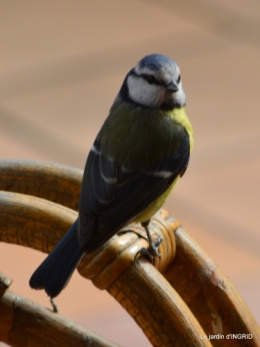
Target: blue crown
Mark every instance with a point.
(155, 61)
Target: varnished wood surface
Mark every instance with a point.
(61, 67)
(210, 295)
(25, 323)
(57, 183)
(138, 287)
(32, 222)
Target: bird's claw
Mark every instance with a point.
(151, 251)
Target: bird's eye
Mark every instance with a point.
(179, 79)
(150, 79)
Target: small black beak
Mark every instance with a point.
(172, 87)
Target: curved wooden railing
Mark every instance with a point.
(180, 301)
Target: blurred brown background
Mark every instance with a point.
(61, 66)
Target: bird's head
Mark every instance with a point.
(155, 83)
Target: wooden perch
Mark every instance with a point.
(24, 323)
(189, 299)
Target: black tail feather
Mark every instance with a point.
(56, 270)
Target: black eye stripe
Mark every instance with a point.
(151, 79)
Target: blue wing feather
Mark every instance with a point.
(131, 192)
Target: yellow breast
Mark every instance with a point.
(179, 116)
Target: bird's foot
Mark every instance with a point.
(152, 251)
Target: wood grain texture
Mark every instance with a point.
(24, 323)
(33, 222)
(191, 299)
(25, 216)
(157, 307)
(210, 295)
(53, 182)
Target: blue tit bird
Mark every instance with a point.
(139, 154)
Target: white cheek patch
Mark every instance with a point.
(179, 96)
(144, 93)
